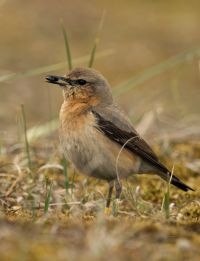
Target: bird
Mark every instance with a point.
(98, 138)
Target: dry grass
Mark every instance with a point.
(73, 226)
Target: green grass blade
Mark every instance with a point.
(96, 41)
(156, 70)
(92, 56)
(48, 195)
(64, 164)
(67, 47)
(166, 202)
(52, 67)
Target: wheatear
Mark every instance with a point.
(98, 138)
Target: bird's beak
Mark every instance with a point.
(62, 81)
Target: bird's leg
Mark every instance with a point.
(111, 186)
(118, 188)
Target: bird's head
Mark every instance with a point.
(84, 85)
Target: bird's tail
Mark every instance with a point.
(164, 173)
(175, 181)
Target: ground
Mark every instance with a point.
(51, 214)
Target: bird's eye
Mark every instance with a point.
(81, 82)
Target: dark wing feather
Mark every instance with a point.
(133, 142)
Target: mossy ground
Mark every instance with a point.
(75, 228)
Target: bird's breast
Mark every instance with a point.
(78, 136)
(91, 152)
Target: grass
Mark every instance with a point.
(52, 67)
(48, 189)
(96, 41)
(67, 182)
(59, 215)
(166, 199)
(77, 228)
(25, 137)
(67, 47)
(185, 57)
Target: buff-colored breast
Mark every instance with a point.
(90, 151)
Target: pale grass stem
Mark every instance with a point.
(166, 200)
(116, 202)
(175, 92)
(25, 137)
(117, 159)
(52, 67)
(50, 111)
(155, 70)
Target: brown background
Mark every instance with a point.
(141, 33)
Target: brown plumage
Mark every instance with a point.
(98, 138)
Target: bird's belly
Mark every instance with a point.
(95, 155)
(81, 149)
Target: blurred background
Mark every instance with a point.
(142, 34)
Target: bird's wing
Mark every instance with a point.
(114, 124)
(117, 128)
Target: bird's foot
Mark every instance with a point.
(107, 211)
(116, 204)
